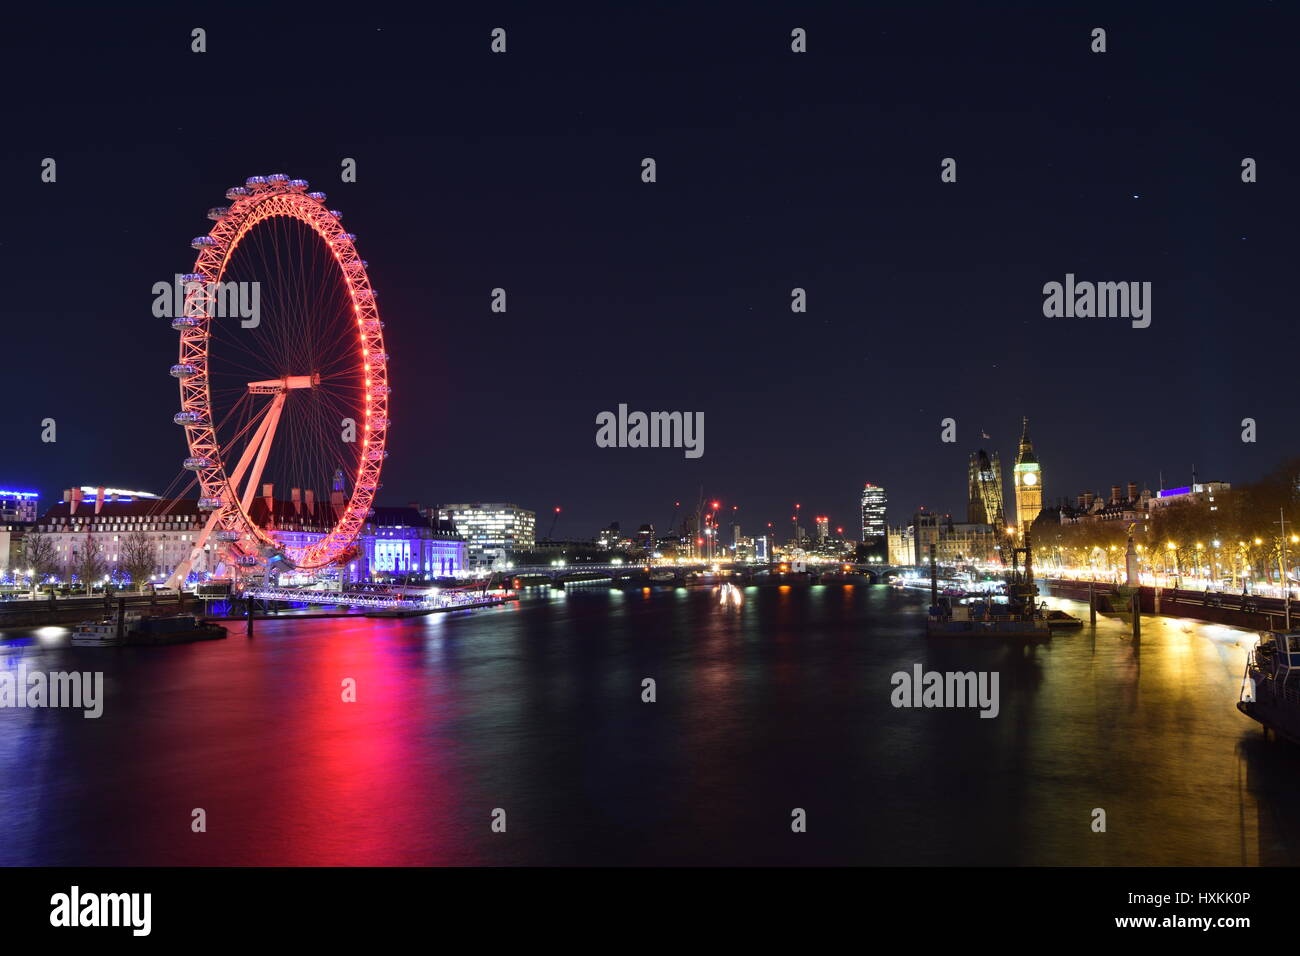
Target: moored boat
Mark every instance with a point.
(1059, 620)
(101, 633)
(984, 619)
(1270, 691)
(134, 630)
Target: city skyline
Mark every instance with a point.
(897, 513)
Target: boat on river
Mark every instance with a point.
(1270, 689)
(131, 630)
(1059, 620)
(1015, 616)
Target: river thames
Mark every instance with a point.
(535, 708)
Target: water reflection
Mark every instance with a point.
(777, 702)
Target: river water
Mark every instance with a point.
(535, 709)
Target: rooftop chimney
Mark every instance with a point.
(1132, 491)
(311, 502)
(73, 496)
(297, 501)
(99, 500)
(1114, 494)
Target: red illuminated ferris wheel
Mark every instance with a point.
(283, 379)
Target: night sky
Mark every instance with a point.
(775, 170)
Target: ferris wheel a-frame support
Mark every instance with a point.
(259, 446)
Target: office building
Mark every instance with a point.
(875, 535)
(493, 531)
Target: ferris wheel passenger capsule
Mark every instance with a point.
(350, 237)
(188, 418)
(298, 185)
(202, 242)
(197, 464)
(184, 370)
(337, 214)
(183, 322)
(209, 504)
(246, 561)
(225, 535)
(235, 192)
(277, 179)
(255, 182)
(218, 212)
(318, 196)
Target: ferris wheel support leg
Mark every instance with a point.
(263, 444)
(260, 442)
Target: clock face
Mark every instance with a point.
(1031, 478)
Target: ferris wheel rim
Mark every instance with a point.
(266, 198)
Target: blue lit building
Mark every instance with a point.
(403, 541)
(20, 507)
(395, 541)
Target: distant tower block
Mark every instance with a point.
(1029, 483)
(875, 534)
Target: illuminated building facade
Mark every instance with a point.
(875, 535)
(1132, 508)
(397, 541)
(1029, 483)
(19, 506)
(402, 541)
(18, 511)
(953, 542)
(101, 524)
(902, 550)
(492, 531)
(1200, 492)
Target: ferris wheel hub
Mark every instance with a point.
(274, 386)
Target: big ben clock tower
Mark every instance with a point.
(1029, 484)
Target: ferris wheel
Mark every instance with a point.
(283, 381)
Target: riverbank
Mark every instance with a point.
(1250, 612)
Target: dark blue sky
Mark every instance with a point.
(775, 170)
